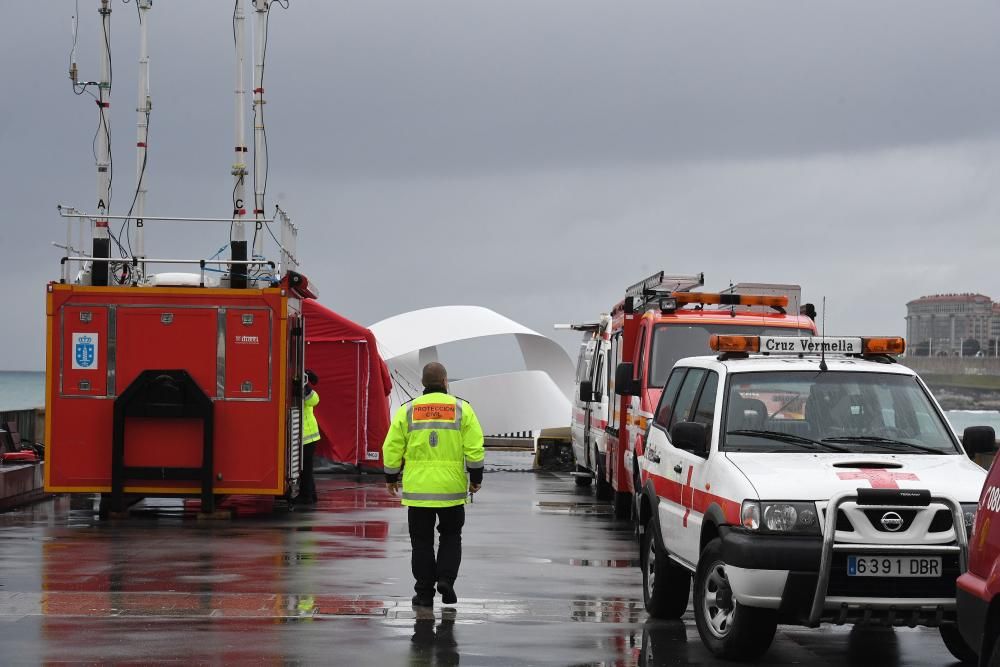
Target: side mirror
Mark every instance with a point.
(624, 384)
(586, 391)
(691, 436)
(979, 440)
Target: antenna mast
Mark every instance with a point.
(822, 346)
(101, 238)
(262, 7)
(143, 107)
(238, 240)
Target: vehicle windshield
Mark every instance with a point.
(845, 411)
(676, 341)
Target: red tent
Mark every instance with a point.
(353, 410)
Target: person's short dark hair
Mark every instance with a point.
(312, 377)
(434, 375)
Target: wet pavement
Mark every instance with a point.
(549, 577)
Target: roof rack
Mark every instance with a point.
(659, 285)
(592, 327)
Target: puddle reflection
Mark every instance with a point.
(433, 642)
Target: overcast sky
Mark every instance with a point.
(536, 157)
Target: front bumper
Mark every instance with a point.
(805, 578)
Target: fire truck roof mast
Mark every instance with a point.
(143, 109)
(262, 9)
(238, 241)
(101, 238)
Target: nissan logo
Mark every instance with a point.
(892, 521)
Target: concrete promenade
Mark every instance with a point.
(549, 578)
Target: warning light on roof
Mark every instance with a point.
(720, 343)
(890, 345)
(731, 299)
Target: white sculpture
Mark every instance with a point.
(521, 400)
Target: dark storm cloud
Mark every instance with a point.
(840, 145)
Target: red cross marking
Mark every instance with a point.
(879, 479)
(684, 490)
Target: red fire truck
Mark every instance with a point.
(162, 391)
(165, 383)
(659, 321)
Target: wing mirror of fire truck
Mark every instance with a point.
(624, 382)
(690, 436)
(586, 391)
(979, 440)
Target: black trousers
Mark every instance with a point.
(307, 482)
(427, 570)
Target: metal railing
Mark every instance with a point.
(79, 237)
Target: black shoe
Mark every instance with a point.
(421, 601)
(447, 591)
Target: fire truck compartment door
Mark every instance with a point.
(248, 353)
(171, 337)
(85, 359)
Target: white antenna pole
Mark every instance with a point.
(143, 108)
(260, 144)
(238, 245)
(101, 238)
(822, 349)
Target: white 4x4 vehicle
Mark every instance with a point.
(803, 489)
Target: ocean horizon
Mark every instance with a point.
(25, 390)
(21, 390)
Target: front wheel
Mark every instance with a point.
(666, 586)
(730, 630)
(623, 505)
(603, 488)
(995, 654)
(956, 644)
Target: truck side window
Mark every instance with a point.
(665, 409)
(687, 395)
(582, 363)
(640, 370)
(704, 413)
(614, 354)
(598, 380)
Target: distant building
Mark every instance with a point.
(952, 325)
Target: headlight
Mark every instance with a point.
(969, 515)
(780, 517)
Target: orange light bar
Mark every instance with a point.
(709, 298)
(721, 343)
(888, 345)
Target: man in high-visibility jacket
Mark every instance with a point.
(310, 436)
(439, 437)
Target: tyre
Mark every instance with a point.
(666, 586)
(603, 491)
(730, 630)
(623, 505)
(957, 645)
(995, 654)
(583, 480)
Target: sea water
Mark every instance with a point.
(21, 390)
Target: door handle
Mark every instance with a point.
(654, 458)
(678, 468)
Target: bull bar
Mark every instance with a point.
(879, 499)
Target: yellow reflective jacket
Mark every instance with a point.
(439, 436)
(310, 428)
